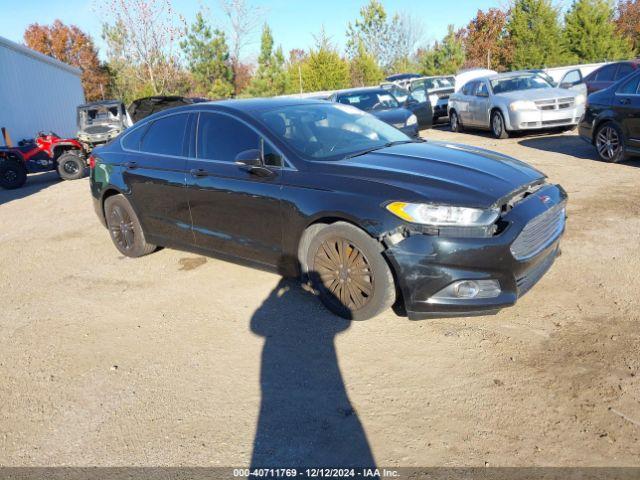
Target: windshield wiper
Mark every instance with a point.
(380, 147)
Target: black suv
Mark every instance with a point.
(611, 121)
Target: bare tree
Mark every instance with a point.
(244, 20)
(152, 29)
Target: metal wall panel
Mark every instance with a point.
(36, 93)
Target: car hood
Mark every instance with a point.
(537, 94)
(392, 115)
(449, 173)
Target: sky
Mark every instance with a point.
(293, 22)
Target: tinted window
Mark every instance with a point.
(131, 141)
(624, 70)
(482, 90)
(606, 74)
(221, 137)
(271, 155)
(165, 136)
(469, 88)
(631, 87)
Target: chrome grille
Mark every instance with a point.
(539, 233)
(555, 103)
(532, 276)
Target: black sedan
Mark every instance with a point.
(369, 216)
(382, 104)
(611, 120)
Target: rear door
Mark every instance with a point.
(155, 173)
(234, 210)
(627, 105)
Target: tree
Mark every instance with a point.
(243, 22)
(207, 56)
(444, 58)
(364, 69)
(324, 69)
(483, 39)
(535, 35)
(590, 33)
(71, 45)
(146, 33)
(370, 30)
(404, 34)
(628, 22)
(270, 78)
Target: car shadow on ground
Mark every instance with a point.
(569, 145)
(306, 418)
(34, 184)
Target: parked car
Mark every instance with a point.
(612, 120)
(465, 76)
(143, 107)
(382, 104)
(369, 215)
(514, 101)
(435, 90)
(420, 108)
(608, 74)
(47, 151)
(402, 79)
(100, 122)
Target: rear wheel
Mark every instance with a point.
(498, 127)
(12, 174)
(454, 122)
(71, 166)
(347, 269)
(610, 143)
(124, 228)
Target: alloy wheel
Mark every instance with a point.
(454, 121)
(71, 167)
(497, 126)
(608, 143)
(344, 272)
(121, 227)
(10, 176)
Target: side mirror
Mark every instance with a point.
(249, 158)
(482, 95)
(566, 85)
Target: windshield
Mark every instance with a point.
(368, 101)
(400, 94)
(100, 115)
(329, 131)
(438, 82)
(521, 82)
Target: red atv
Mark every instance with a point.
(44, 153)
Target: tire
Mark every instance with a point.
(12, 174)
(71, 166)
(454, 122)
(124, 228)
(609, 142)
(346, 267)
(498, 127)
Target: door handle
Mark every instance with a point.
(198, 172)
(131, 165)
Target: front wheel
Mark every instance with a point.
(498, 127)
(71, 166)
(12, 174)
(454, 122)
(124, 228)
(610, 143)
(346, 267)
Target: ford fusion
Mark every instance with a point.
(370, 217)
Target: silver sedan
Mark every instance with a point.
(510, 102)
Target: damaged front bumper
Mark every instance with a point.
(427, 265)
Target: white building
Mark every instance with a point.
(37, 93)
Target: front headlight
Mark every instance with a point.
(443, 215)
(412, 120)
(580, 99)
(519, 105)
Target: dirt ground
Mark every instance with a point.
(176, 359)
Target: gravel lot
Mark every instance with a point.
(177, 359)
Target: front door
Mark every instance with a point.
(155, 174)
(480, 106)
(235, 210)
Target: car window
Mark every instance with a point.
(221, 137)
(469, 88)
(131, 140)
(572, 76)
(271, 155)
(624, 70)
(482, 90)
(165, 136)
(607, 73)
(630, 87)
(519, 82)
(369, 100)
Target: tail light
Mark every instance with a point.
(92, 162)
